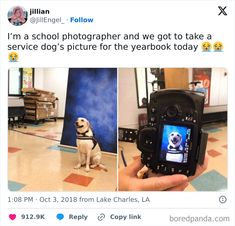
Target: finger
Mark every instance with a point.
(134, 168)
(162, 183)
(179, 187)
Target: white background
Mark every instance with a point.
(126, 16)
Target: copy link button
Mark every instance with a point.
(222, 199)
(125, 217)
(101, 217)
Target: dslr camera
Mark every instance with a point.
(173, 141)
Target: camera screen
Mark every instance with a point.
(175, 143)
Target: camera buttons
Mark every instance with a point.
(189, 118)
(172, 111)
(148, 142)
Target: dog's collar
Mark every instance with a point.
(174, 151)
(171, 148)
(82, 134)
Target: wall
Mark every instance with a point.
(55, 80)
(176, 78)
(218, 91)
(128, 110)
(219, 87)
(38, 78)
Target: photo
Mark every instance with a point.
(17, 16)
(172, 133)
(62, 129)
(175, 143)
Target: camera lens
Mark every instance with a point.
(172, 111)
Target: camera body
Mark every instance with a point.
(173, 142)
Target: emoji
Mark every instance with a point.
(218, 46)
(12, 216)
(206, 46)
(13, 57)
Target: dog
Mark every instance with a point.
(175, 151)
(89, 152)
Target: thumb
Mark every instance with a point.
(134, 167)
(162, 183)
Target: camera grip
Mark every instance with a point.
(202, 147)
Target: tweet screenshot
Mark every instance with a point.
(117, 113)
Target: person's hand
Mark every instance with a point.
(129, 181)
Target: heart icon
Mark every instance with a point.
(12, 216)
(60, 216)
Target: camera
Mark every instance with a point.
(173, 141)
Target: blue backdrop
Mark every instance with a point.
(92, 94)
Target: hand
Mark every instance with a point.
(129, 181)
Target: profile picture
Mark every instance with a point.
(17, 16)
